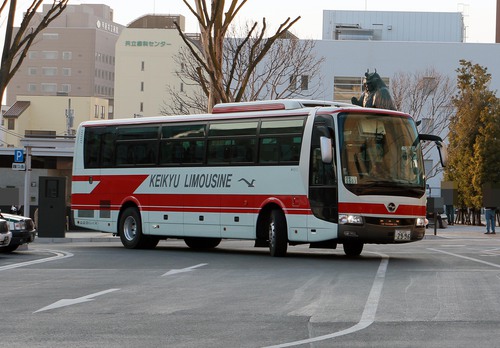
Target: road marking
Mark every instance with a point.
(466, 257)
(368, 316)
(59, 255)
(183, 270)
(69, 302)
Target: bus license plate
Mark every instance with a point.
(402, 235)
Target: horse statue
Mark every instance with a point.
(375, 93)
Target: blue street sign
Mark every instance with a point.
(18, 156)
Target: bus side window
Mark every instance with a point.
(91, 148)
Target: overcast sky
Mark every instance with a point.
(479, 14)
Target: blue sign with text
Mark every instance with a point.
(18, 156)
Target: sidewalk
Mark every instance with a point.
(450, 232)
(461, 231)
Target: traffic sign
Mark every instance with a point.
(18, 166)
(18, 156)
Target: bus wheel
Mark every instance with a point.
(353, 249)
(130, 229)
(200, 243)
(278, 238)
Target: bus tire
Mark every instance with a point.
(353, 249)
(202, 243)
(130, 229)
(278, 237)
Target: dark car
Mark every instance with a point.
(22, 229)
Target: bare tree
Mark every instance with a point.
(16, 45)
(427, 96)
(215, 20)
(289, 69)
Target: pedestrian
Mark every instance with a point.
(489, 214)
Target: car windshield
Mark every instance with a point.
(381, 155)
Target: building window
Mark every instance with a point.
(142, 66)
(304, 82)
(50, 36)
(293, 83)
(346, 87)
(103, 114)
(31, 87)
(182, 87)
(66, 71)
(65, 87)
(96, 111)
(50, 54)
(49, 87)
(32, 71)
(142, 86)
(11, 124)
(67, 55)
(32, 54)
(49, 71)
(141, 107)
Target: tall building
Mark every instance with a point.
(73, 56)
(146, 66)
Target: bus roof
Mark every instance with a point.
(270, 105)
(244, 109)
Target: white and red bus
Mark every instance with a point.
(281, 173)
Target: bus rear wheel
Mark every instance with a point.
(353, 249)
(200, 243)
(130, 229)
(278, 237)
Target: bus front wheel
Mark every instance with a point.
(130, 229)
(278, 237)
(353, 249)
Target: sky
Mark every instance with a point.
(479, 15)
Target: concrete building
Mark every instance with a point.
(50, 116)
(393, 26)
(351, 53)
(145, 66)
(73, 56)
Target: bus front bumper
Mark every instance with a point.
(377, 234)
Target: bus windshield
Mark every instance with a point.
(380, 155)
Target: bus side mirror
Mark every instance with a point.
(326, 149)
(440, 145)
(443, 153)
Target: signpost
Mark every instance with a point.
(18, 166)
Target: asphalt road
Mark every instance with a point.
(434, 293)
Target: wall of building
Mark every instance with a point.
(353, 58)
(73, 55)
(49, 114)
(145, 66)
(393, 26)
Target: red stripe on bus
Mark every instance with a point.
(226, 203)
(379, 208)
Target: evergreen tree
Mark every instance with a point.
(474, 150)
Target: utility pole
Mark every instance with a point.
(69, 118)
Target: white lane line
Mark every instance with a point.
(58, 256)
(466, 257)
(368, 316)
(183, 270)
(72, 301)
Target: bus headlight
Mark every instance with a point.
(350, 219)
(420, 222)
